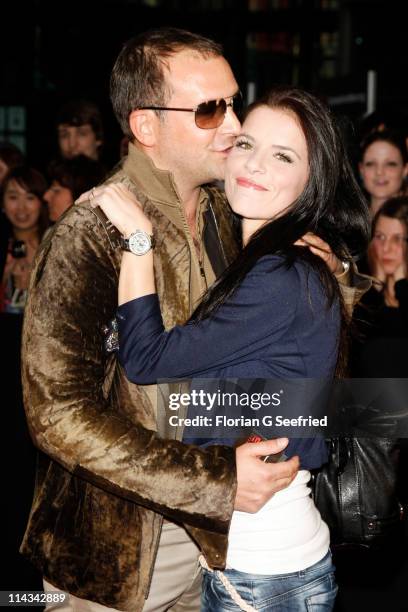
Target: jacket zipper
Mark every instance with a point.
(202, 273)
(217, 230)
(194, 257)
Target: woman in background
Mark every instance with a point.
(383, 167)
(381, 349)
(27, 218)
(24, 208)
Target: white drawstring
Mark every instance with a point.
(235, 596)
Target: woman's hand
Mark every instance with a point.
(375, 267)
(120, 206)
(320, 248)
(389, 287)
(401, 272)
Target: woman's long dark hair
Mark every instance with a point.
(394, 208)
(331, 205)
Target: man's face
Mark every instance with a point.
(78, 140)
(196, 156)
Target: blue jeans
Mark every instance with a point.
(311, 590)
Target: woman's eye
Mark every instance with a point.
(284, 157)
(243, 144)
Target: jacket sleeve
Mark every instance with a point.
(73, 294)
(257, 315)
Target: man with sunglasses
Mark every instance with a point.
(122, 506)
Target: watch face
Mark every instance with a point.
(139, 242)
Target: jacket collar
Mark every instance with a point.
(159, 184)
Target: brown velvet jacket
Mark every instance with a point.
(106, 477)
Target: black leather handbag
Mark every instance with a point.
(356, 494)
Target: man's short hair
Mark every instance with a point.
(81, 112)
(138, 78)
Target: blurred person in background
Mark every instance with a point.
(69, 178)
(383, 167)
(80, 129)
(381, 349)
(376, 579)
(10, 157)
(25, 217)
(384, 118)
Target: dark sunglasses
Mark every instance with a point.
(207, 115)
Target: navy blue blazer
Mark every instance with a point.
(276, 325)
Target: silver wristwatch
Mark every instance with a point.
(138, 243)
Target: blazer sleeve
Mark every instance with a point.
(73, 293)
(257, 315)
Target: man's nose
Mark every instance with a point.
(231, 124)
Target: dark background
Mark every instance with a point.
(54, 51)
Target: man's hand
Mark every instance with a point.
(320, 248)
(258, 481)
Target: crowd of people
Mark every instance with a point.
(123, 507)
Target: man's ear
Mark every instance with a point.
(143, 123)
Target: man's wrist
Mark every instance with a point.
(131, 229)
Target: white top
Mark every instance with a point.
(286, 535)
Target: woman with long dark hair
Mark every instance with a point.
(381, 348)
(383, 167)
(276, 312)
(25, 219)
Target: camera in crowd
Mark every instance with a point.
(18, 249)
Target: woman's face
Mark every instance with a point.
(382, 170)
(268, 166)
(389, 243)
(22, 208)
(58, 199)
